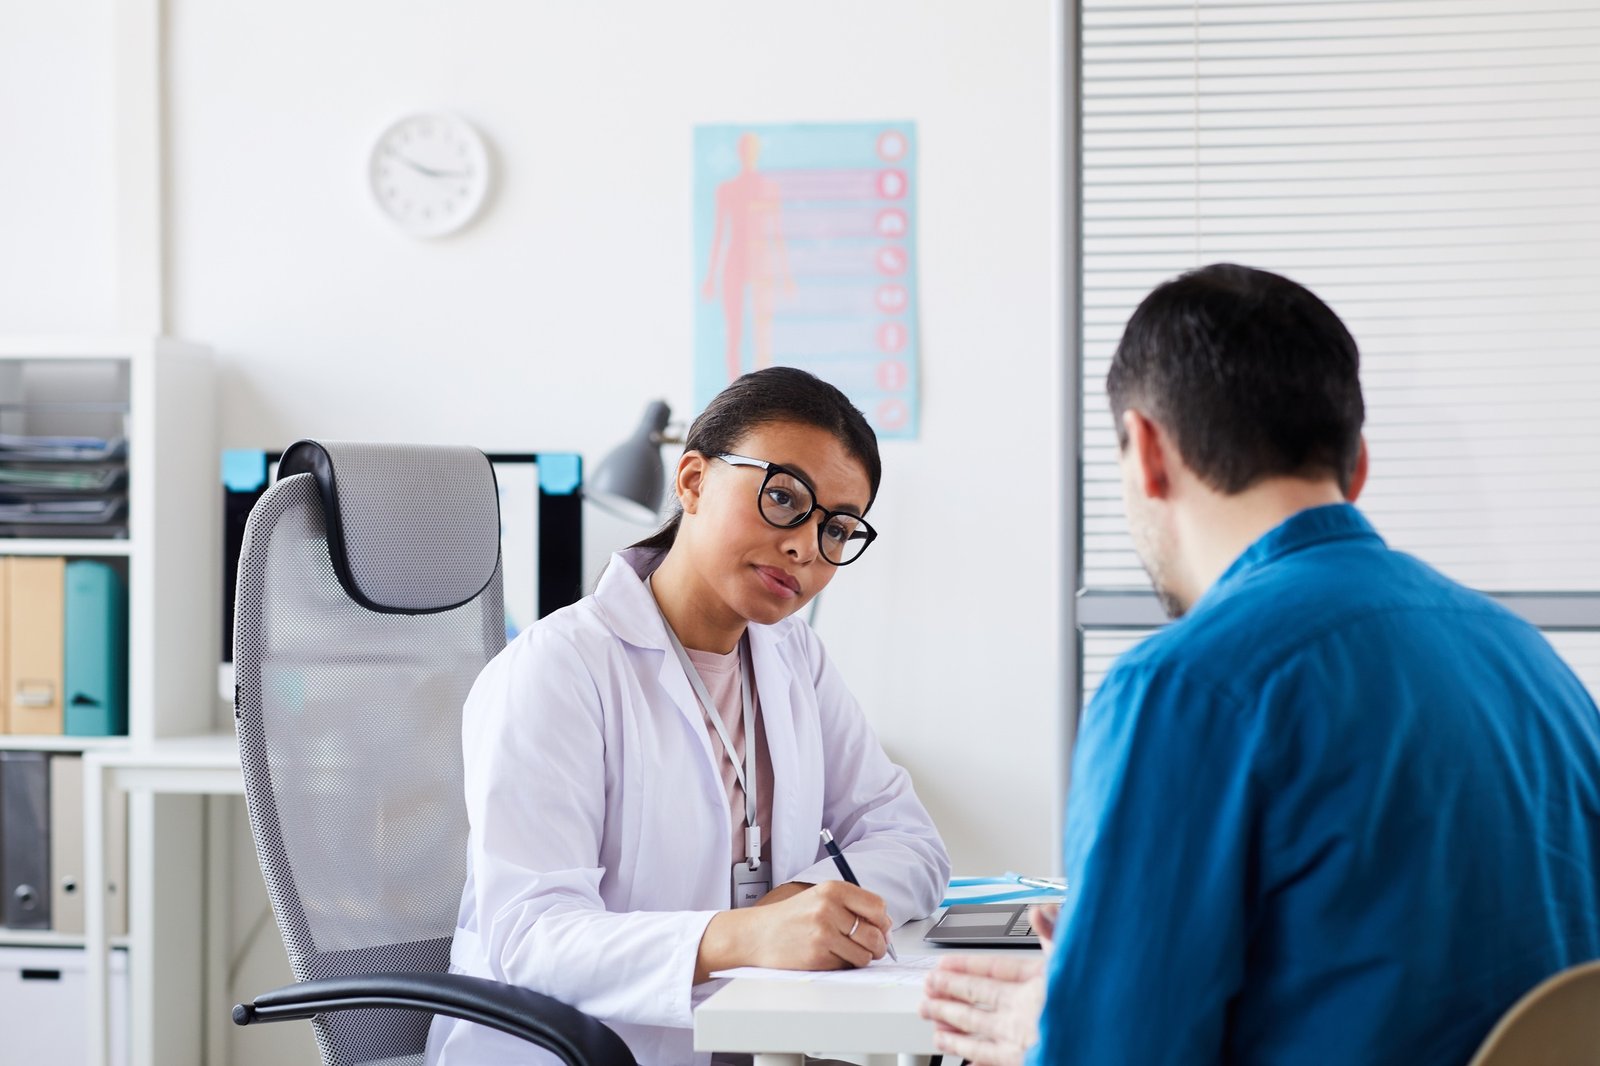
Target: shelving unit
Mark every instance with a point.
(42, 938)
(172, 512)
(81, 547)
(48, 938)
(164, 389)
(67, 388)
(35, 742)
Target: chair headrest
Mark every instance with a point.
(412, 528)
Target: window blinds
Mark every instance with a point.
(1431, 169)
(1101, 647)
(1581, 650)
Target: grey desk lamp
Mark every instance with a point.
(631, 479)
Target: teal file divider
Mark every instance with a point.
(96, 650)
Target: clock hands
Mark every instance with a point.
(428, 171)
(451, 171)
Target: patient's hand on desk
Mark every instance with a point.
(986, 1007)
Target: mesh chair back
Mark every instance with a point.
(349, 722)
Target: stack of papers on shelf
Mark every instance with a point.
(20, 447)
(62, 512)
(21, 479)
(63, 486)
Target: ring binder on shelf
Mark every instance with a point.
(24, 840)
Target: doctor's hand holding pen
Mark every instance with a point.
(828, 926)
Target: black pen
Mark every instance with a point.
(849, 875)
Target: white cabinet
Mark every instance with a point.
(41, 1006)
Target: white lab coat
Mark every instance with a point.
(599, 834)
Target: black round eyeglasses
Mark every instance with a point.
(786, 501)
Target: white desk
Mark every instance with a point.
(164, 890)
(780, 1021)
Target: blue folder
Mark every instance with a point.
(96, 651)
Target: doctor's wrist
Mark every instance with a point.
(724, 944)
(787, 890)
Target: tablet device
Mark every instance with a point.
(984, 925)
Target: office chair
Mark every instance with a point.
(1556, 1024)
(369, 598)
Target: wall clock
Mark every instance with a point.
(429, 173)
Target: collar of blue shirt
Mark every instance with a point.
(1315, 525)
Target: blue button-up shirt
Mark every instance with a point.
(1345, 811)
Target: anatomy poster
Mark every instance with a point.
(805, 246)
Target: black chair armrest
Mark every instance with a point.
(575, 1037)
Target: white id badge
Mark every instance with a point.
(750, 885)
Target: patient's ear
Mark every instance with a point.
(1149, 455)
(1358, 479)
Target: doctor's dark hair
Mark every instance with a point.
(776, 394)
(1251, 373)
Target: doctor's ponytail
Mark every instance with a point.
(776, 394)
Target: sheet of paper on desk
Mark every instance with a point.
(910, 971)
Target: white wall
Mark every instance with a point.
(552, 320)
(57, 161)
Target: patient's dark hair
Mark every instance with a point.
(1252, 375)
(776, 394)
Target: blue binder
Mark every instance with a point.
(96, 651)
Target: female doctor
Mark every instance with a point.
(648, 770)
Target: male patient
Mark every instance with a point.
(1342, 810)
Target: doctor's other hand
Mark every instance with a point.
(830, 926)
(985, 1008)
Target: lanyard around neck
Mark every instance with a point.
(746, 774)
